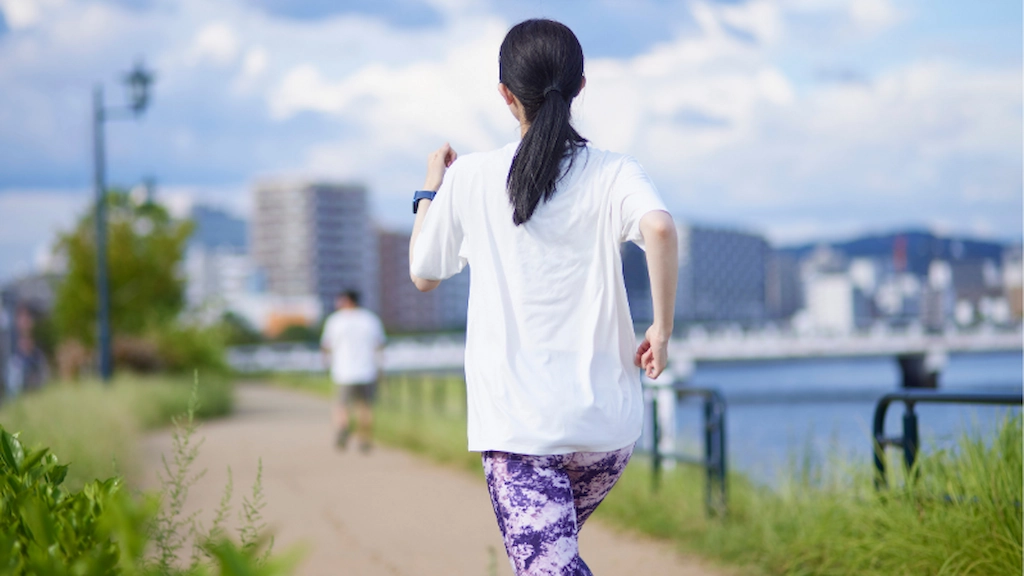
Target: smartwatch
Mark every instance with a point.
(421, 195)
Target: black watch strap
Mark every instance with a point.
(421, 195)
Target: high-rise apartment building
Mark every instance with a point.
(721, 277)
(403, 308)
(315, 238)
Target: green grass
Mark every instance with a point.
(93, 427)
(962, 516)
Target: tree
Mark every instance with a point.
(145, 247)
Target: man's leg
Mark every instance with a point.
(533, 503)
(340, 415)
(365, 415)
(366, 397)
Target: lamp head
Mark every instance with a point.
(138, 81)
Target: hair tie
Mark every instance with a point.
(550, 90)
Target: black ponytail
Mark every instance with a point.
(541, 63)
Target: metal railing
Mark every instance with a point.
(428, 390)
(910, 440)
(714, 458)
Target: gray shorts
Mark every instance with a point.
(351, 393)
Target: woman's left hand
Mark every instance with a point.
(437, 163)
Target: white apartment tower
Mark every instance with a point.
(315, 238)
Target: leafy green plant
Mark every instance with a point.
(46, 529)
(102, 529)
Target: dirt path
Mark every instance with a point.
(387, 513)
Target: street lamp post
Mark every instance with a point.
(137, 81)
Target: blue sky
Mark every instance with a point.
(800, 119)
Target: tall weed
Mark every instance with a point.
(87, 424)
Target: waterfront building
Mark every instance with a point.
(217, 265)
(638, 285)
(315, 238)
(721, 277)
(1013, 278)
(403, 308)
(830, 303)
(783, 290)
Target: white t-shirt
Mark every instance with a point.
(353, 337)
(549, 338)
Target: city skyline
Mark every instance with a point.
(800, 120)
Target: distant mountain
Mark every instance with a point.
(914, 247)
(215, 228)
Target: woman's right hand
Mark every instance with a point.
(437, 164)
(652, 354)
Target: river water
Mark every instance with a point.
(784, 410)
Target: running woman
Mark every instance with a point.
(553, 390)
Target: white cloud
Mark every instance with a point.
(719, 118)
(874, 15)
(398, 113)
(21, 14)
(255, 63)
(761, 18)
(216, 42)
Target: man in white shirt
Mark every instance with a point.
(351, 340)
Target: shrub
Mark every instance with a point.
(46, 529)
(185, 348)
(102, 530)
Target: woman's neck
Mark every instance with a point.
(523, 127)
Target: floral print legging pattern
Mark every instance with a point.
(541, 502)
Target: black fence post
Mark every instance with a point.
(910, 438)
(910, 441)
(722, 456)
(655, 448)
(709, 454)
(878, 429)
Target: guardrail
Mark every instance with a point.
(714, 458)
(910, 440)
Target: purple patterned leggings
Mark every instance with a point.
(541, 503)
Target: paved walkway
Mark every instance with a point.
(387, 513)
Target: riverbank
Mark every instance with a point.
(822, 517)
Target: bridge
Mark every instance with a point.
(921, 355)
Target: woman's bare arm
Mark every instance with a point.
(662, 246)
(422, 284)
(437, 163)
